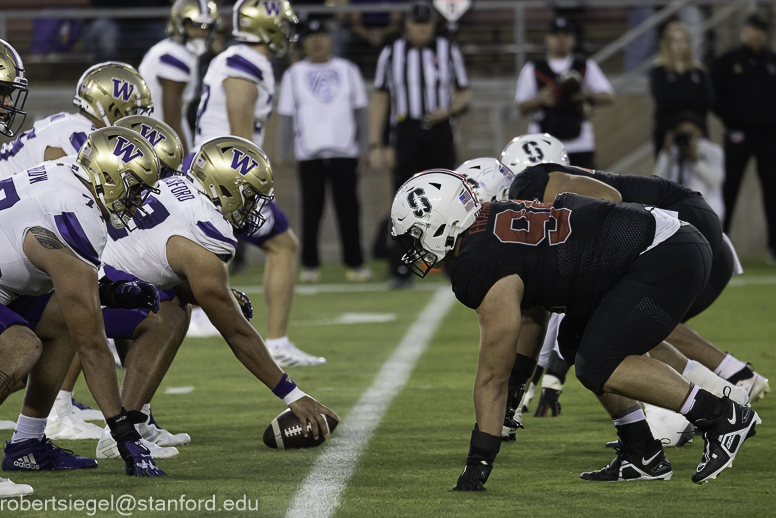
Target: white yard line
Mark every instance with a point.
(314, 289)
(321, 491)
(747, 280)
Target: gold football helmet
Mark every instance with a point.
(237, 177)
(197, 13)
(270, 22)
(162, 138)
(13, 90)
(124, 170)
(112, 90)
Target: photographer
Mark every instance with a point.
(559, 91)
(690, 159)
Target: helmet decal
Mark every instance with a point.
(242, 163)
(418, 201)
(532, 147)
(122, 89)
(126, 150)
(273, 8)
(153, 136)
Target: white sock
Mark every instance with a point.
(633, 417)
(64, 394)
(690, 401)
(29, 428)
(277, 342)
(704, 378)
(729, 366)
(551, 382)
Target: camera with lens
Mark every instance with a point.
(683, 139)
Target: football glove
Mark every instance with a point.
(129, 295)
(483, 449)
(548, 402)
(136, 456)
(245, 303)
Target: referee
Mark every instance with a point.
(422, 78)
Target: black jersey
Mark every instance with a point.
(569, 253)
(648, 190)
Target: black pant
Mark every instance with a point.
(313, 176)
(584, 159)
(419, 150)
(761, 144)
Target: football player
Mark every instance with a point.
(13, 90)
(104, 93)
(186, 245)
(550, 177)
(53, 219)
(171, 67)
(625, 277)
(237, 100)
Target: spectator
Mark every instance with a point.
(557, 91)
(690, 159)
(677, 82)
(323, 103)
(744, 82)
(369, 32)
(424, 80)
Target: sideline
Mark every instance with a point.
(320, 493)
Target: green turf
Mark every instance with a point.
(415, 456)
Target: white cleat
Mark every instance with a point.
(107, 448)
(756, 386)
(7, 425)
(10, 490)
(289, 356)
(161, 437)
(62, 424)
(200, 326)
(87, 413)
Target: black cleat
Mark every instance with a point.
(724, 436)
(548, 402)
(632, 464)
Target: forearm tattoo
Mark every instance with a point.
(46, 238)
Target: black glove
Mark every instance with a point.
(483, 449)
(548, 402)
(244, 302)
(136, 456)
(129, 295)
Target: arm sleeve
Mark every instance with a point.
(362, 130)
(285, 136)
(526, 84)
(215, 235)
(286, 101)
(595, 80)
(84, 232)
(459, 68)
(383, 73)
(243, 68)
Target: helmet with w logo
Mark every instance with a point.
(534, 148)
(162, 138)
(428, 214)
(237, 177)
(123, 169)
(272, 22)
(13, 90)
(202, 14)
(112, 90)
(489, 178)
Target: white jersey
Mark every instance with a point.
(178, 210)
(52, 197)
(67, 131)
(170, 60)
(242, 62)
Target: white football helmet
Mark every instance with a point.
(535, 148)
(428, 213)
(489, 178)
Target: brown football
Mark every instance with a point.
(285, 432)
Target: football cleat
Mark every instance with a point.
(548, 402)
(724, 436)
(85, 412)
(756, 386)
(10, 490)
(200, 325)
(42, 454)
(632, 464)
(670, 427)
(288, 355)
(64, 424)
(107, 448)
(152, 432)
(361, 274)
(510, 427)
(309, 275)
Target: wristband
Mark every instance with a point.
(284, 387)
(294, 395)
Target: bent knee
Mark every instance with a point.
(593, 373)
(286, 244)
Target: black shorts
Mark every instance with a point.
(642, 309)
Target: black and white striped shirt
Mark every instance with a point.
(420, 80)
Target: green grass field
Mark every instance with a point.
(417, 452)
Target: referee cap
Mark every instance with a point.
(420, 12)
(757, 21)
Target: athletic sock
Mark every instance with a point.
(633, 430)
(29, 428)
(731, 366)
(700, 404)
(704, 378)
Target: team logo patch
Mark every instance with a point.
(418, 202)
(126, 150)
(324, 84)
(241, 162)
(122, 89)
(273, 8)
(151, 135)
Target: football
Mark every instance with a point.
(285, 432)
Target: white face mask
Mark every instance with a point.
(197, 46)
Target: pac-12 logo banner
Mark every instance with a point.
(152, 135)
(273, 8)
(126, 150)
(242, 163)
(324, 84)
(122, 89)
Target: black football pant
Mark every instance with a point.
(419, 150)
(763, 146)
(341, 174)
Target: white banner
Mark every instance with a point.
(452, 9)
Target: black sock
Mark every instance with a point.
(706, 406)
(537, 375)
(743, 374)
(521, 372)
(635, 435)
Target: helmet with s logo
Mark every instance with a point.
(428, 214)
(237, 177)
(162, 138)
(272, 22)
(112, 90)
(535, 148)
